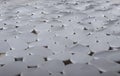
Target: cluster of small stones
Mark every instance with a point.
(59, 38)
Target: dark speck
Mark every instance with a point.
(18, 59)
(67, 62)
(35, 66)
(16, 26)
(61, 73)
(45, 46)
(100, 72)
(18, 75)
(2, 65)
(117, 62)
(74, 42)
(108, 34)
(110, 48)
(34, 32)
(1, 28)
(5, 24)
(85, 28)
(91, 53)
(45, 58)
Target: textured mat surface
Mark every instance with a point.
(59, 38)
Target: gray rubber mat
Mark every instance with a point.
(59, 37)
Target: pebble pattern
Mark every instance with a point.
(59, 38)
